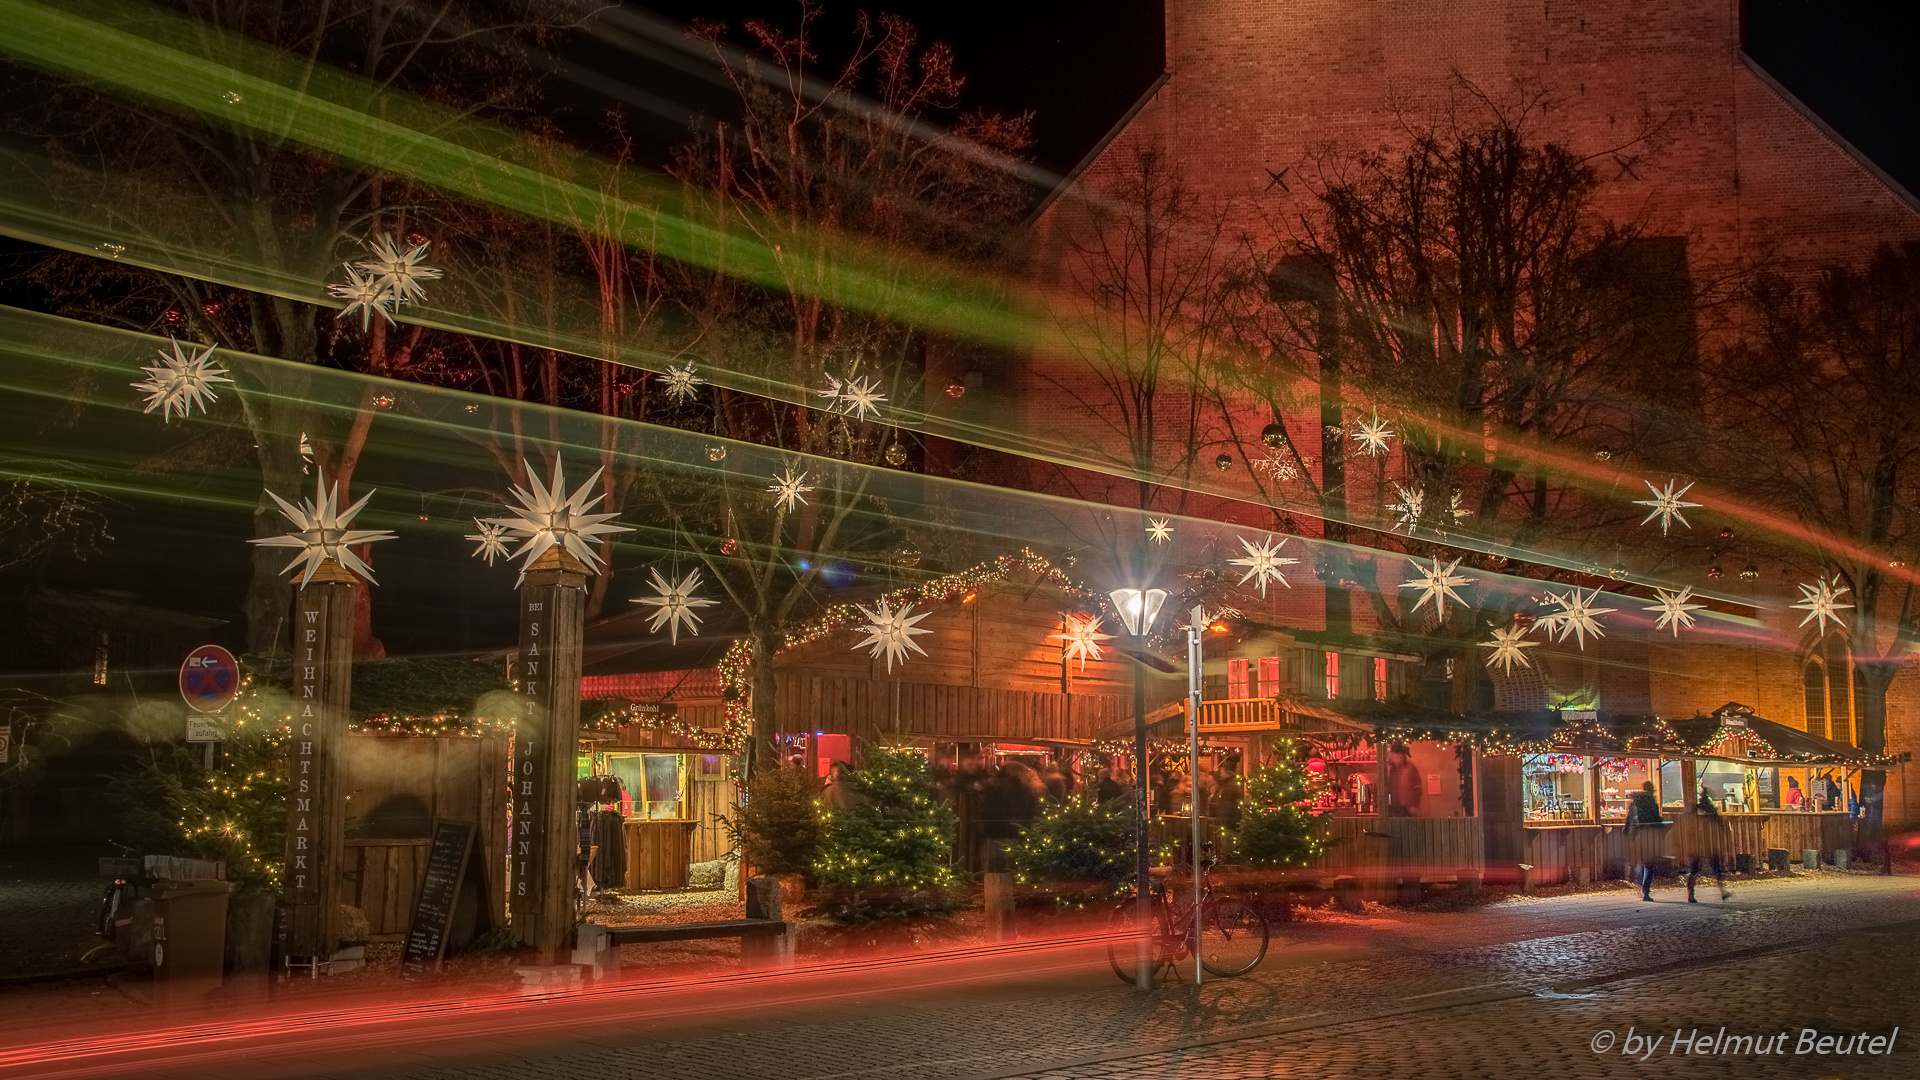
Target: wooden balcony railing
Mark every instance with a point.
(1244, 714)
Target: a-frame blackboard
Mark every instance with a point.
(453, 868)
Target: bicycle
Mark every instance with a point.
(1233, 936)
(122, 874)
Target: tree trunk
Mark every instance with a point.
(765, 723)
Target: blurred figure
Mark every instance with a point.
(1795, 797)
(1055, 779)
(1403, 781)
(1107, 789)
(839, 792)
(1704, 840)
(1643, 812)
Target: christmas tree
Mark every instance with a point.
(1079, 840)
(887, 854)
(1278, 826)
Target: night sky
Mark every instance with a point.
(1077, 66)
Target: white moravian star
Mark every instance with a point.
(1373, 436)
(1160, 530)
(363, 294)
(1436, 583)
(1263, 562)
(1674, 610)
(789, 491)
(181, 382)
(1080, 637)
(399, 273)
(548, 517)
(1509, 647)
(860, 398)
(490, 542)
(680, 383)
(322, 531)
(1577, 616)
(890, 632)
(1821, 600)
(674, 603)
(1667, 505)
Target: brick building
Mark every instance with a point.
(1737, 174)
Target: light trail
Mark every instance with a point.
(283, 1036)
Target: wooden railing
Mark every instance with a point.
(1242, 714)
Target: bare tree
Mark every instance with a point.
(1820, 395)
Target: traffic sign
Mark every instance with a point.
(209, 678)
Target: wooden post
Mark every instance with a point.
(322, 689)
(552, 617)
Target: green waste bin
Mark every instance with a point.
(189, 940)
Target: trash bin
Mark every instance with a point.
(189, 939)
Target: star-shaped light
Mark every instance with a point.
(1263, 563)
(679, 383)
(321, 531)
(363, 293)
(1436, 583)
(490, 541)
(1577, 616)
(835, 389)
(180, 382)
(1080, 636)
(1674, 610)
(674, 603)
(1509, 647)
(1279, 468)
(1160, 530)
(1821, 600)
(860, 398)
(1667, 506)
(1373, 436)
(1406, 512)
(890, 632)
(399, 274)
(548, 517)
(789, 491)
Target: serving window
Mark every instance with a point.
(657, 784)
(1555, 787)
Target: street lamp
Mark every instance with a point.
(1138, 608)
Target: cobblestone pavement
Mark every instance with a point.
(1467, 1010)
(1755, 1017)
(48, 901)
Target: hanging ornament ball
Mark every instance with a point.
(716, 453)
(1617, 573)
(1603, 455)
(1726, 534)
(1273, 435)
(1749, 572)
(1223, 462)
(906, 557)
(896, 455)
(729, 546)
(1714, 571)
(956, 388)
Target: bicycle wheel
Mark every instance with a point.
(1123, 940)
(1233, 938)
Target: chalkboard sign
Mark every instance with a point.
(452, 866)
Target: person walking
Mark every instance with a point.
(1704, 840)
(1643, 813)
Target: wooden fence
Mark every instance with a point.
(1395, 848)
(382, 880)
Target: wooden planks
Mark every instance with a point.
(873, 709)
(658, 853)
(383, 876)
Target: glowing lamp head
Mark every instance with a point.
(1138, 608)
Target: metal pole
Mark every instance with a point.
(1143, 871)
(1194, 622)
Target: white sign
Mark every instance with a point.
(205, 729)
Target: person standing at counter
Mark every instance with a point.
(1403, 781)
(1795, 797)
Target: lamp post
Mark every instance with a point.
(1138, 608)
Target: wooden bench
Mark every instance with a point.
(720, 928)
